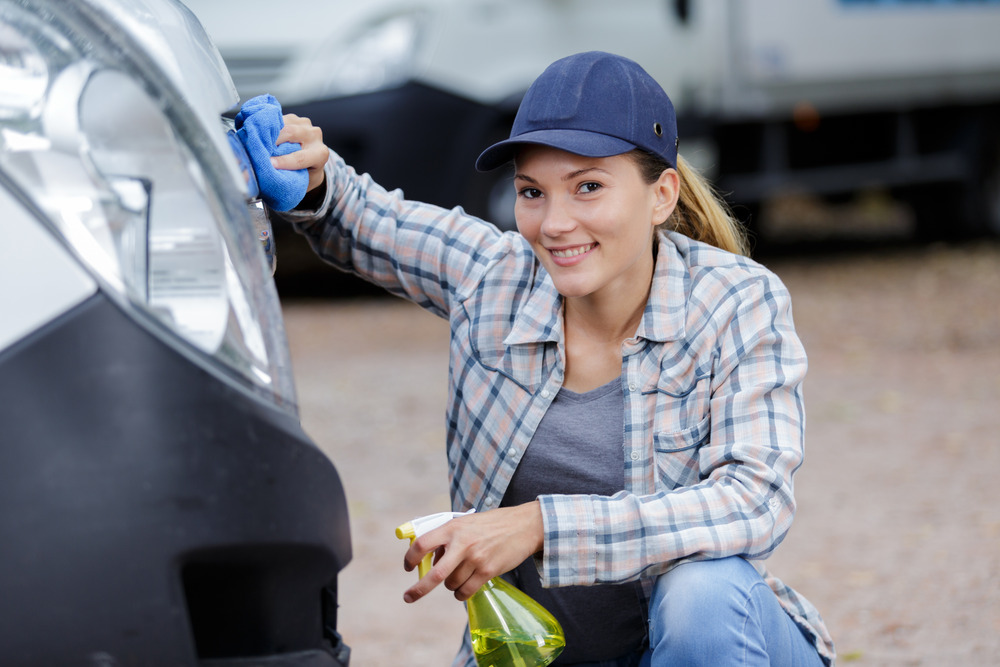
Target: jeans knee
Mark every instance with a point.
(706, 583)
(695, 600)
(722, 612)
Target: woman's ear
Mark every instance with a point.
(667, 190)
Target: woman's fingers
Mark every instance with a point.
(436, 576)
(451, 564)
(313, 154)
(471, 549)
(462, 578)
(470, 587)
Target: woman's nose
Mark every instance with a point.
(557, 220)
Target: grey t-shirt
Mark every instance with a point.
(578, 448)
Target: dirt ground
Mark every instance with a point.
(897, 536)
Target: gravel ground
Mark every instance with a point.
(897, 537)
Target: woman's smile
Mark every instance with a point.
(569, 255)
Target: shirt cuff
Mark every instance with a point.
(569, 553)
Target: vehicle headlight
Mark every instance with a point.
(124, 171)
(380, 55)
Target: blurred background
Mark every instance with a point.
(816, 119)
(858, 140)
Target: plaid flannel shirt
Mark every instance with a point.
(711, 381)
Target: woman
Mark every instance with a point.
(625, 387)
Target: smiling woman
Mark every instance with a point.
(591, 223)
(679, 356)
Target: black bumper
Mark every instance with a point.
(152, 514)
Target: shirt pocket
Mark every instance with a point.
(676, 454)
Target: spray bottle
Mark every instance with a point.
(508, 628)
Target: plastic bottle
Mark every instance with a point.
(508, 628)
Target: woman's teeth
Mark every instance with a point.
(573, 252)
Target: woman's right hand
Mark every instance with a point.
(474, 548)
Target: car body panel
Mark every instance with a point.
(160, 503)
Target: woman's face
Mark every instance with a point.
(590, 221)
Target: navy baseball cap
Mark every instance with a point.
(594, 104)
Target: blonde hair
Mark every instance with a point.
(701, 214)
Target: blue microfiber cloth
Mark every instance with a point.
(257, 125)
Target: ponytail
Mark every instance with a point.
(701, 214)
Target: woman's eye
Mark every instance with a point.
(529, 193)
(589, 187)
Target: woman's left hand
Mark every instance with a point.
(474, 548)
(312, 156)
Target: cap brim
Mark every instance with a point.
(579, 142)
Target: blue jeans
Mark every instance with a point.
(718, 612)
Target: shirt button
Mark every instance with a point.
(545, 393)
(634, 455)
(512, 451)
(632, 386)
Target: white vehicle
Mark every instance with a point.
(159, 501)
(820, 96)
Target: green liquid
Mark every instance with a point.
(494, 648)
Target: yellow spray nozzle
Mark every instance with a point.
(407, 531)
(413, 529)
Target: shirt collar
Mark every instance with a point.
(666, 309)
(540, 319)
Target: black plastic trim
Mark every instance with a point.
(126, 470)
